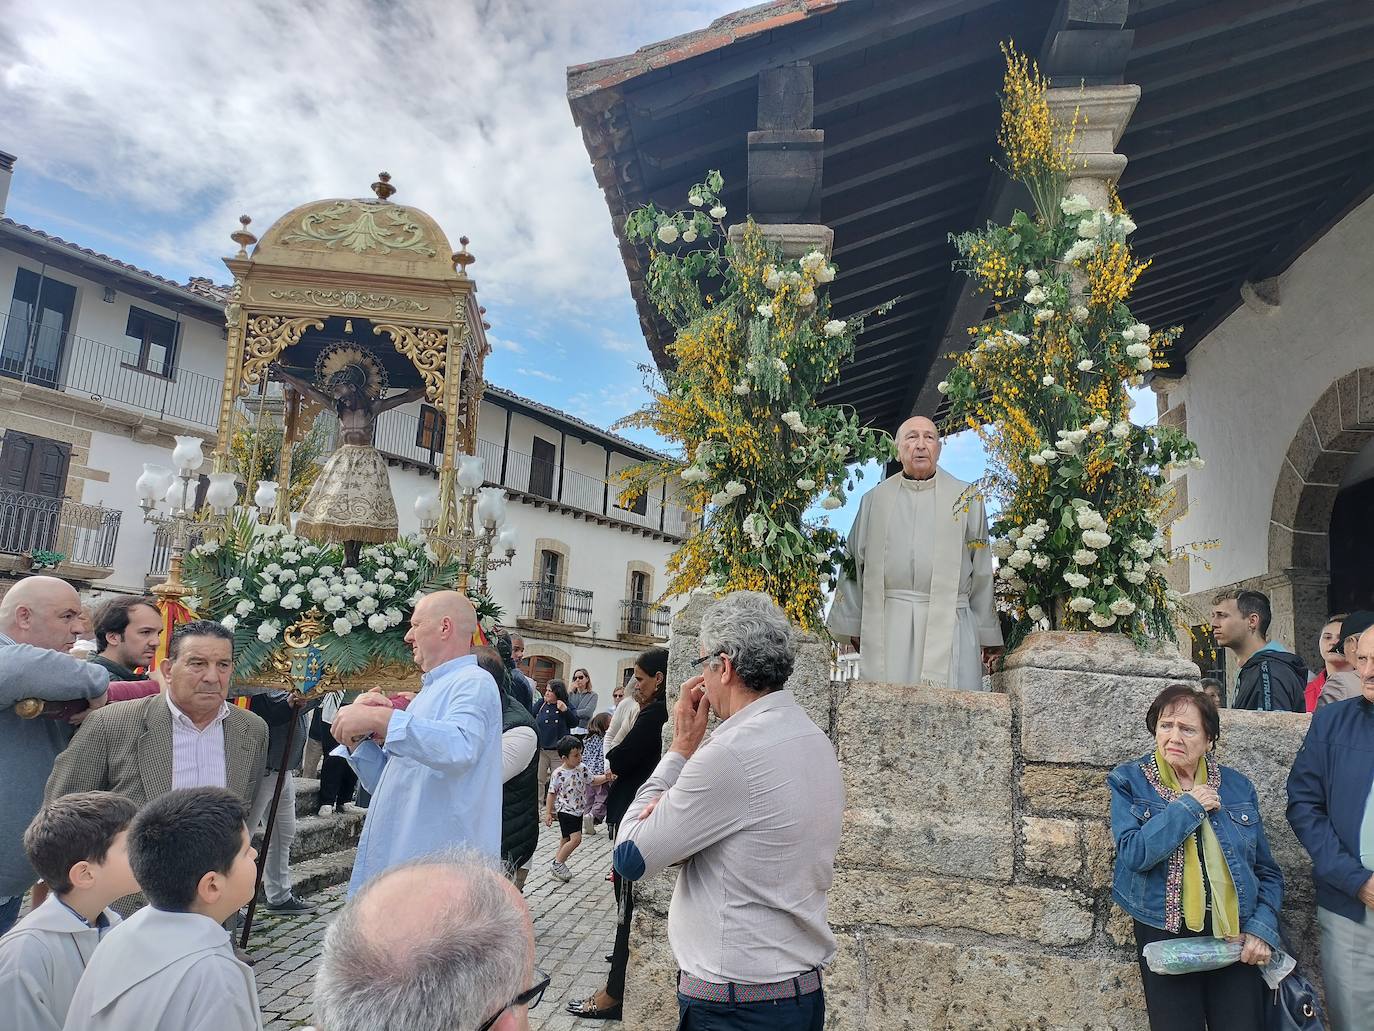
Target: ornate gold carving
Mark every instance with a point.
(383, 227)
(426, 347)
(355, 299)
(267, 337)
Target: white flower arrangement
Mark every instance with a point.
(833, 328)
(1085, 556)
(668, 232)
(1076, 580)
(1075, 204)
(1080, 604)
(1101, 619)
(765, 311)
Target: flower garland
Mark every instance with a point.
(1080, 491)
(755, 346)
(260, 579)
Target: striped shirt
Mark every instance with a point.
(197, 755)
(754, 817)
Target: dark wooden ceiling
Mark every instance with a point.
(1252, 136)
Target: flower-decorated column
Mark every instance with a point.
(1097, 117)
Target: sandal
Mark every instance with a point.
(586, 1009)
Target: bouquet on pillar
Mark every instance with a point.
(1079, 490)
(755, 344)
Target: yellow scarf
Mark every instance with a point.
(1225, 907)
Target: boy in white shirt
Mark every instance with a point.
(171, 966)
(78, 846)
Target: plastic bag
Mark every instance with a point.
(1193, 955)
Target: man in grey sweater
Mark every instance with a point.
(39, 617)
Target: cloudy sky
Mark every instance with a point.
(144, 129)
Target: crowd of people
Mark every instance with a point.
(134, 801)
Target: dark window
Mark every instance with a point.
(155, 339)
(546, 599)
(639, 586)
(33, 481)
(639, 506)
(542, 468)
(429, 433)
(36, 328)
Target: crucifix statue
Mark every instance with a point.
(351, 502)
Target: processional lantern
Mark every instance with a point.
(368, 274)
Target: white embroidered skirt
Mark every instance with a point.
(351, 501)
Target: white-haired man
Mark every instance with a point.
(753, 816)
(39, 619)
(435, 944)
(920, 606)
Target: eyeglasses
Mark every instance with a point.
(701, 662)
(529, 998)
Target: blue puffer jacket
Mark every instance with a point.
(1148, 831)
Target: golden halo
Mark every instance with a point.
(341, 356)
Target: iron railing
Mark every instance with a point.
(83, 534)
(161, 562)
(644, 619)
(550, 603)
(101, 372)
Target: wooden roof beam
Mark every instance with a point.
(817, 39)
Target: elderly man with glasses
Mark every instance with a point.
(434, 944)
(753, 815)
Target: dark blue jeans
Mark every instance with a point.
(802, 1013)
(9, 913)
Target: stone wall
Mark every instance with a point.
(972, 883)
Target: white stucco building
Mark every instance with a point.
(101, 363)
(1280, 399)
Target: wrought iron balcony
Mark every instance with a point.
(643, 621)
(84, 535)
(566, 608)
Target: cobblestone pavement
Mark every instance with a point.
(574, 926)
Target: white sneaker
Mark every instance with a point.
(561, 871)
(325, 810)
(349, 807)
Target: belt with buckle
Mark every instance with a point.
(711, 991)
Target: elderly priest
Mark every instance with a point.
(920, 605)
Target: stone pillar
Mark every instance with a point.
(1102, 113)
(785, 165)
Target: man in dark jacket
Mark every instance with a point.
(1331, 810)
(1272, 679)
(519, 772)
(279, 710)
(127, 633)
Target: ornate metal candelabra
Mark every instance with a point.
(177, 491)
(469, 524)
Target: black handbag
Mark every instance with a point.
(1293, 1006)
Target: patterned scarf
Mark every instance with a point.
(1186, 865)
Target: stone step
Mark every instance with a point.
(307, 796)
(323, 835)
(322, 872)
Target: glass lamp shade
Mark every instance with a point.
(472, 472)
(491, 506)
(506, 541)
(177, 494)
(187, 454)
(153, 483)
(265, 497)
(222, 493)
(427, 507)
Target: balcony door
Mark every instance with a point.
(542, 467)
(546, 597)
(637, 622)
(36, 329)
(33, 481)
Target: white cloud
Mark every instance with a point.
(538, 374)
(621, 344)
(192, 114)
(503, 344)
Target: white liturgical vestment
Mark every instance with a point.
(921, 601)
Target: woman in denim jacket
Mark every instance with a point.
(1192, 860)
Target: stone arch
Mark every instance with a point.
(1327, 440)
(560, 659)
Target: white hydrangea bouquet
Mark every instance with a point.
(258, 580)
